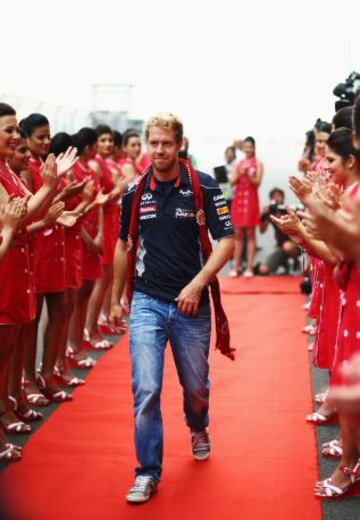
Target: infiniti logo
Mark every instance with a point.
(146, 196)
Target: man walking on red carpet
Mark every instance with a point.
(164, 254)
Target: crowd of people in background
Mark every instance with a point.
(240, 179)
(60, 202)
(328, 233)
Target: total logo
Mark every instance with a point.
(146, 196)
(186, 193)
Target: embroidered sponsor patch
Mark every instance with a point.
(147, 196)
(223, 210)
(220, 203)
(148, 209)
(186, 193)
(218, 197)
(147, 216)
(184, 213)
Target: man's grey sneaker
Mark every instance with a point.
(200, 444)
(142, 490)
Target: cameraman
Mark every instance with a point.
(285, 249)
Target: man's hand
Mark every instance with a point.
(189, 298)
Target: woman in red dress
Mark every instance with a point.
(105, 147)
(245, 213)
(17, 302)
(75, 206)
(344, 161)
(92, 246)
(19, 163)
(129, 164)
(50, 275)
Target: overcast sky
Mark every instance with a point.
(227, 68)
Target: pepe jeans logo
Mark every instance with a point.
(146, 196)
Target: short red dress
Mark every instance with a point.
(245, 210)
(317, 279)
(73, 242)
(327, 318)
(348, 342)
(109, 212)
(17, 299)
(91, 264)
(49, 244)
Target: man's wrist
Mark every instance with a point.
(201, 280)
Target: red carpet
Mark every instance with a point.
(79, 464)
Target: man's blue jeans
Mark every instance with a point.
(152, 323)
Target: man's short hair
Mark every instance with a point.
(166, 121)
(277, 190)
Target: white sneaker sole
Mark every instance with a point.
(139, 500)
(201, 457)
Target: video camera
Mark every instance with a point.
(347, 91)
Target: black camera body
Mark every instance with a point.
(347, 91)
(277, 209)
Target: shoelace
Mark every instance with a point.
(200, 440)
(141, 484)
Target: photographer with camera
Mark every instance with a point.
(285, 249)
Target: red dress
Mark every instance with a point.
(91, 264)
(245, 211)
(109, 212)
(348, 342)
(49, 246)
(317, 279)
(73, 242)
(18, 300)
(327, 318)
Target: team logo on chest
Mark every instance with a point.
(184, 213)
(185, 193)
(148, 207)
(146, 197)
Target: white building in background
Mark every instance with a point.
(111, 104)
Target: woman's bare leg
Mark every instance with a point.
(97, 299)
(251, 248)
(239, 246)
(77, 320)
